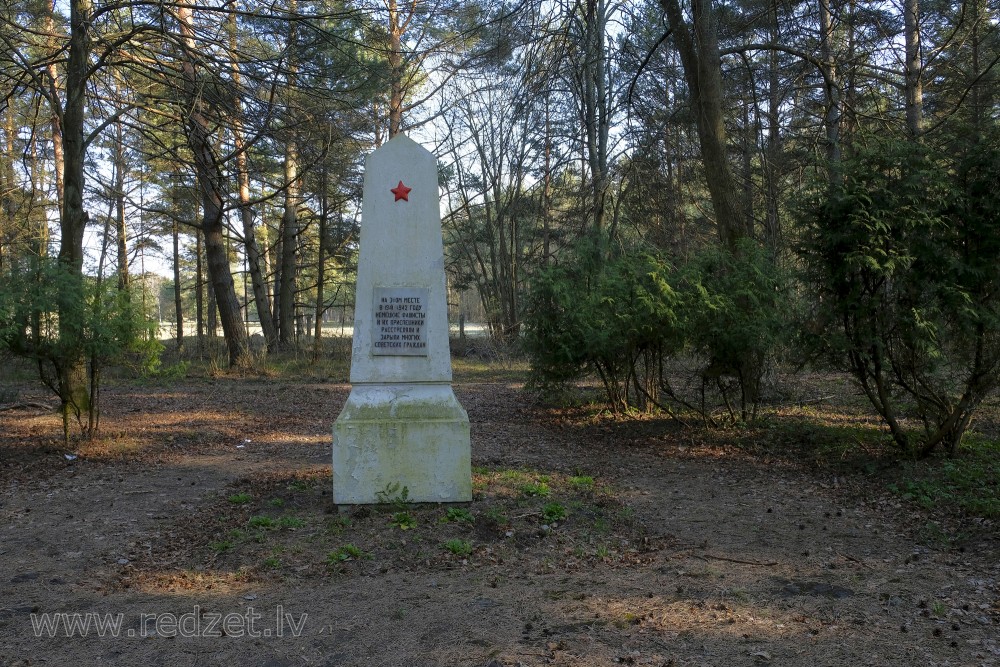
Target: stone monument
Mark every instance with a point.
(402, 427)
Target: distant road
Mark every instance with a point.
(168, 330)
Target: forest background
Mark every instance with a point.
(632, 191)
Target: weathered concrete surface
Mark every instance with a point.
(408, 435)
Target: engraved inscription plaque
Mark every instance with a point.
(400, 321)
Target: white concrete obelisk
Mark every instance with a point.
(402, 426)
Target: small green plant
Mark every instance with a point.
(290, 522)
(240, 498)
(459, 547)
(299, 485)
(262, 522)
(968, 483)
(933, 534)
(922, 493)
(276, 502)
(740, 595)
(513, 475)
(403, 520)
(629, 618)
(553, 512)
(540, 489)
(459, 515)
(345, 553)
(272, 563)
(582, 482)
(495, 515)
(221, 547)
(393, 495)
(176, 371)
(938, 609)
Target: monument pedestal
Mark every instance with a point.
(411, 435)
(402, 426)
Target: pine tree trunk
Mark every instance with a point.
(289, 247)
(698, 47)
(178, 308)
(396, 28)
(199, 292)
(833, 102)
(210, 181)
(321, 267)
(261, 297)
(289, 218)
(120, 228)
(52, 73)
(913, 67)
(772, 149)
(74, 385)
(212, 314)
(914, 87)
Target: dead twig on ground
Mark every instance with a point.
(25, 404)
(737, 560)
(853, 559)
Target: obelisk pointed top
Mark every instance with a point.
(402, 138)
(402, 144)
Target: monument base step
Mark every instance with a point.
(391, 437)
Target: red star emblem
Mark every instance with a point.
(401, 192)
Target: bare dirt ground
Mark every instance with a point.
(590, 542)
